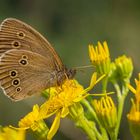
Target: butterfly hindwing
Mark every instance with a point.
(23, 73)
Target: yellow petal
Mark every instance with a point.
(30, 118)
(100, 78)
(54, 126)
(131, 88)
(8, 133)
(91, 52)
(93, 79)
(21, 135)
(106, 48)
(64, 112)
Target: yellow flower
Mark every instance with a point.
(134, 114)
(61, 98)
(30, 119)
(100, 57)
(64, 97)
(7, 133)
(34, 122)
(137, 90)
(124, 67)
(69, 94)
(106, 112)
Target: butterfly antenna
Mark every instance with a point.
(81, 68)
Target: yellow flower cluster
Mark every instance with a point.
(106, 111)
(99, 53)
(61, 98)
(134, 114)
(100, 57)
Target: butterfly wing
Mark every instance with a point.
(23, 73)
(15, 34)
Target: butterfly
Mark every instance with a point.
(28, 62)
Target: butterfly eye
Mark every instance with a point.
(18, 89)
(16, 44)
(21, 35)
(23, 62)
(13, 73)
(16, 82)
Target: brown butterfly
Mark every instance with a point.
(28, 62)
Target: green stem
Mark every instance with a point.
(42, 130)
(90, 109)
(77, 114)
(121, 100)
(113, 135)
(92, 112)
(88, 129)
(117, 90)
(104, 84)
(120, 111)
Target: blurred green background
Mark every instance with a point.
(70, 26)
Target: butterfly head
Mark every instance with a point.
(70, 73)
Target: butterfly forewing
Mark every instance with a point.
(15, 34)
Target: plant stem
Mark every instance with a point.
(117, 90)
(90, 109)
(42, 130)
(121, 99)
(120, 111)
(88, 129)
(92, 112)
(77, 114)
(121, 105)
(104, 84)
